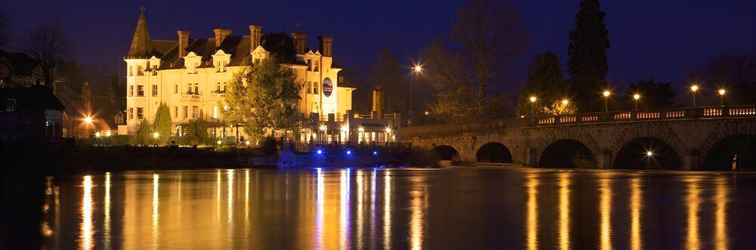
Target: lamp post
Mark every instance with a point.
(722, 92)
(88, 121)
(533, 99)
(636, 98)
(693, 91)
(606, 95)
(417, 70)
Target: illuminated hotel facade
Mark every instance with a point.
(190, 77)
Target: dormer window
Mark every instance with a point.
(191, 62)
(220, 60)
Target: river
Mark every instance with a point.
(456, 208)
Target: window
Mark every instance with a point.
(309, 65)
(140, 71)
(188, 88)
(154, 90)
(10, 105)
(131, 90)
(140, 113)
(315, 88)
(131, 113)
(175, 111)
(175, 89)
(140, 90)
(218, 88)
(308, 87)
(315, 68)
(196, 88)
(186, 112)
(195, 112)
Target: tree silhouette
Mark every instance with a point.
(545, 82)
(587, 52)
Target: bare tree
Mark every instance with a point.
(389, 74)
(48, 45)
(491, 36)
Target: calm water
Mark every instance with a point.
(471, 208)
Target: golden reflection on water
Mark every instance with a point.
(106, 223)
(320, 192)
(693, 201)
(345, 190)
(721, 197)
(605, 213)
(155, 210)
(417, 214)
(565, 180)
(532, 211)
(360, 208)
(87, 230)
(387, 209)
(636, 205)
(230, 198)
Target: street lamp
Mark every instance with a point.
(417, 70)
(565, 102)
(533, 99)
(649, 153)
(722, 92)
(636, 98)
(606, 95)
(693, 91)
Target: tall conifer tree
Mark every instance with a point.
(588, 65)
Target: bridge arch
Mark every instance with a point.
(567, 153)
(494, 152)
(446, 152)
(738, 150)
(647, 153)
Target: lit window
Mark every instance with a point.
(140, 113)
(140, 90)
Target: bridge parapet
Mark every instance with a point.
(459, 128)
(726, 112)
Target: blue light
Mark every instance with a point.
(349, 152)
(319, 151)
(375, 153)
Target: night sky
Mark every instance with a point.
(661, 39)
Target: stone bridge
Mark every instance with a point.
(707, 138)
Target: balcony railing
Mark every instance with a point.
(726, 112)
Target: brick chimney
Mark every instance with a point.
(220, 35)
(300, 42)
(255, 37)
(183, 42)
(377, 110)
(326, 46)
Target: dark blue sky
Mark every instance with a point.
(650, 38)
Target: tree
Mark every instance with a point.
(389, 74)
(195, 133)
(655, 95)
(587, 52)
(264, 98)
(281, 47)
(143, 135)
(49, 46)
(491, 36)
(545, 82)
(163, 123)
(734, 71)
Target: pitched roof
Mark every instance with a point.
(141, 45)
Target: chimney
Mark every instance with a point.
(377, 111)
(220, 35)
(326, 46)
(255, 37)
(183, 43)
(300, 42)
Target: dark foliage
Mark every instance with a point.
(587, 52)
(281, 45)
(654, 95)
